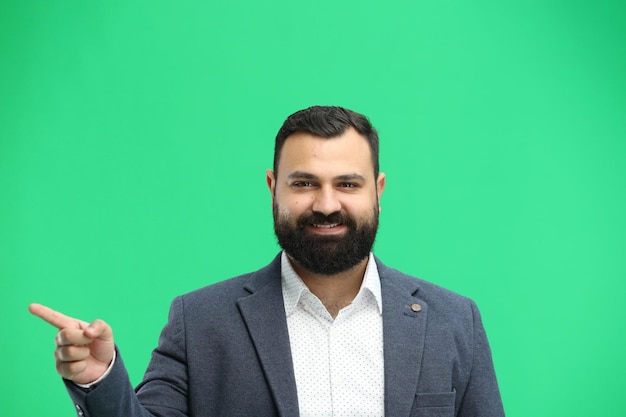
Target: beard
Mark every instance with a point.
(326, 255)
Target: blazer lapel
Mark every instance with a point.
(264, 314)
(404, 326)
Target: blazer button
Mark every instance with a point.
(416, 307)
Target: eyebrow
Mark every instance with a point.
(350, 177)
(301, 175)
(308, 176)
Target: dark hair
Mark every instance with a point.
(327, 122)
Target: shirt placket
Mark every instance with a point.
(336, 344)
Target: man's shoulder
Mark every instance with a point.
(236, 287)
(431, 293)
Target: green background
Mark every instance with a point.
(135, 135)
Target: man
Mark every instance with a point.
(325, 329)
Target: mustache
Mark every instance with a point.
(320, 218)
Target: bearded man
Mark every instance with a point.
(326, 329)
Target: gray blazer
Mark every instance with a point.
(225, 352)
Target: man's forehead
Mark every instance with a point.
(349, 152)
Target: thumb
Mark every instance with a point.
(99, 329)
(102, 346)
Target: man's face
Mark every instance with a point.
(326, 201)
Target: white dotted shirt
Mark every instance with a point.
(338, 363)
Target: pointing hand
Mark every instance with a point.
(83, 351)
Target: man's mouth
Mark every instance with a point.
(326, 226)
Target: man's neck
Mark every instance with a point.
(334, 291)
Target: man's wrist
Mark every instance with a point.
(104, 375)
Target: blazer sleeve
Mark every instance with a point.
(111, 397)
(482, 396)
(163, 390)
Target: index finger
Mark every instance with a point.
(58, 320)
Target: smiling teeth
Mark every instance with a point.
(326, 226)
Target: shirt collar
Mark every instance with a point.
(293, 287)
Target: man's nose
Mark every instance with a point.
(326, 201)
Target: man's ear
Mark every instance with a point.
(380, 187)
(271, 183)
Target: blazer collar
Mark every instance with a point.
(264, 309)
(404, 329)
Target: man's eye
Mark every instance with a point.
(302, 184)
(347, 185)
